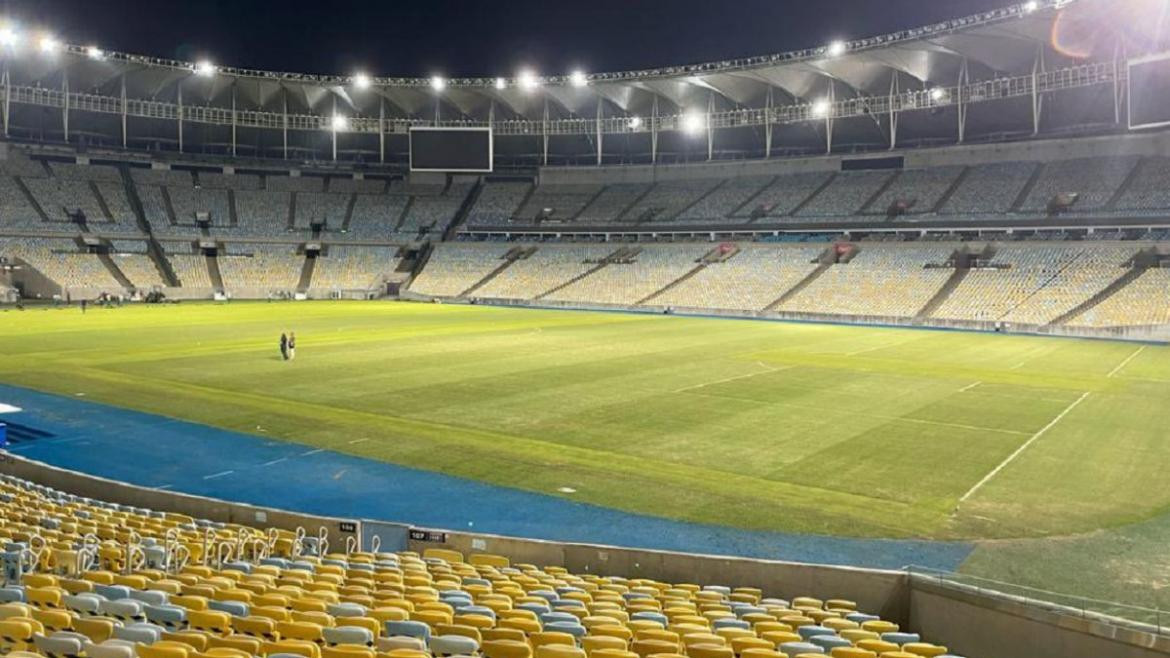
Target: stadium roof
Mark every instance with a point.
(936, 75)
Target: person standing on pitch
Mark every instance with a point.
(292, 345)
(284, 347)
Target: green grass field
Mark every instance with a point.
(807, 428)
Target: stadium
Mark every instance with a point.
(855, 351)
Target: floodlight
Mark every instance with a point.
(1031, 6)
(528, 80)
(48, 44)
(9, 36)
(693, 122)
(635, 122)
(95, 53)
(578, 79)
(821, 108)
(836, 49)
(938, 94)
(362, 81)
(205, 68)
(501, 83)
(339, 123)
(438, 83)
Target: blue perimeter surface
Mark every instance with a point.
(155, 451)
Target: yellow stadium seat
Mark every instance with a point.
(503, 648)
(558, 651)
(924, 649)
(709, 651)
(163, 649)
(851, 652)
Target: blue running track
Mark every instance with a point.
(154, 451)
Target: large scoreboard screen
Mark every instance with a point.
(451, 149)
(1149, 91)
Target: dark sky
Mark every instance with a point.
(472, 37)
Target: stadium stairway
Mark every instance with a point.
(513, 255)
(623, 253)
(962, 260)
(153, 248)
(1119, 193)
(292, 211)
(698, 268)
(348, 213)
(744, 208)
(809, 199)
(634, 204)
(97, 194)
(233, 217)
(955, 185)
(307, 270)
(32, 200)
(866, 208)
(802, 284)
(711, 190)
(115, 271)
(214, 274)
(464, 210)
(168, 205)
(403, 213)
(1141, 263)
(1027, 191)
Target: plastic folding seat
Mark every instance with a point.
(140, 632)
(292, 648)
(60, 645)
(162, 650)
(807, 632)
(348, 635)
(221, 652)
(400, 642)
(194, 639)
(855, 635)
(249, 645)
(125, 610)
(593, 643)
(558, 651)
(852, 652)
(149, 597)
(795, 648)
(740, 644)
(15, 610)
(614, 653)
(110, 649)
(880, 626)
(97, 629)
(709, 651)
(16, 634)
(900, 638)
(730, 622)
(755, 652)
(347, 652)
(300, 630)
(405, 653)
(829, 642)
(233, 608)
(452, 645)
(45, 597)
(409, 628)
(924, 649)
(577, 630)
(169, 617)
(210, 621)
(877, 646)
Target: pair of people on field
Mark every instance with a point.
(288, 346)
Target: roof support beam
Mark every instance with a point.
(710, 128)
(599, 130)
(235, 118)
(7, 97)
(894, 113)
(544, 132)
(284, 123)
(829, 118)
(654, 131)
(768, 124)
(333, 130)
(1118, 92)
(179, 116)
(382, 129)
(125, 135)
(961, 101)
(1037, 99)
(65, 107)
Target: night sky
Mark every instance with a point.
(471, 37)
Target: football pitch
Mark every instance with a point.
(1051, 453)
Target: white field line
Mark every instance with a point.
(358, 441)
(872, 349)
(732, 379)
(217, 475)
(969, 387)
(312, 452)
(275, 461)
(1010, 458)
(1121, 366)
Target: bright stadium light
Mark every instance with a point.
(339, 123)
(205, 68)
(938, 94)
(578, 79)
(95, 53)
(528, 80)
(821, 108)
(438, 83)
(635, 122)
(501, 83)
(836, 49)
(1031, 6)
(9, 36)
(48, 44)
(693, 123)
(362, 81)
